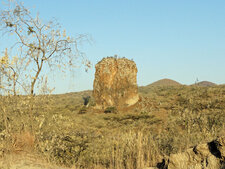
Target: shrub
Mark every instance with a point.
(83, 110)
(110, 110)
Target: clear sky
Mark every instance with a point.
(178, 39)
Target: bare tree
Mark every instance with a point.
(11, 68)
(40, 44)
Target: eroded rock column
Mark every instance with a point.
(115, 83)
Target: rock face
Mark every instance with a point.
(204, 156)
(115, 83)
(197, 158)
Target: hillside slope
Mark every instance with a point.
(205, 84)
(165, 82)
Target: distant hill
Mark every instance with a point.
(205, 84)
(165, 82)
(159, 83)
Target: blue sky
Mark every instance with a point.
(178, 39)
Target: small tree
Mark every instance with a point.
(10, 69)
(40, 44)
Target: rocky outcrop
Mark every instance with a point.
(115, 83)
(199, 157)
(203, 156)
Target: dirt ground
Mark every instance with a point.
(25, 161)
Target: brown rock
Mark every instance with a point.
(207, 156)
(196, 159)
(115, 83)
(210, 155)
(221, 147)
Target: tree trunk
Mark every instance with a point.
(35, 78)
(14, 84)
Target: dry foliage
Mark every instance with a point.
(166, 120)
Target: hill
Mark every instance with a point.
(165, 82)
(205, 84)
(160, 83)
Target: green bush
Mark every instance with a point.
(110, 110)
(83, 110)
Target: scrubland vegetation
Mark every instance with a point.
(166, 120)
(61, 130)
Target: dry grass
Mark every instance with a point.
(23, 141)
(166, 120)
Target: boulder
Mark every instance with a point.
(115, 83)
(221, 146)
(208, 156)
(197, 158)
